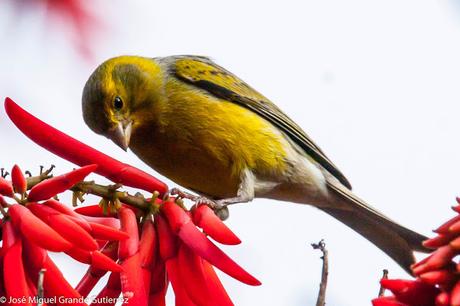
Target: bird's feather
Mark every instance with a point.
(206, 75)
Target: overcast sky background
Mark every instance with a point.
(376, 85)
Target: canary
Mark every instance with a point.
(207, 130)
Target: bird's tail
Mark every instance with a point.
(395, 240)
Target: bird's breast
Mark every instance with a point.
(204, 143)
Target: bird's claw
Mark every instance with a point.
(219, 206)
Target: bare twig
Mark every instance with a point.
(321, 301)
(384, 276)
(40, 291)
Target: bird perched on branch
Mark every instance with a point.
(207, 130)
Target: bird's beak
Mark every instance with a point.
(122, 134)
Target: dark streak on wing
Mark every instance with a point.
(243, 95)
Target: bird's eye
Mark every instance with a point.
(117, 103)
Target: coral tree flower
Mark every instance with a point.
(144, 249)
(437, 280)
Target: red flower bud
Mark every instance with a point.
(188, 233)
(18, 179)
(168, 242)
(204, 217)
(104, 232)
(128, 247)
(6, 188)
(55, 185)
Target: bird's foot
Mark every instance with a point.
(219, 206)
(182, 194)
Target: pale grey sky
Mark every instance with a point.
(376, 85)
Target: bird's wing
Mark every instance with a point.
(205, 74)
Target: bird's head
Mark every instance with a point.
(119, 96)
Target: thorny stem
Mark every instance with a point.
(40, 291)
(384, 276)
(321, 301)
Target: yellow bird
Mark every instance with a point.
(207, 130)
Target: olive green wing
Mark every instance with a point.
(205, 74)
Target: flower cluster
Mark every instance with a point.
(144, 244)
(31, 228)
(437, 276)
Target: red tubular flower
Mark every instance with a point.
(387, 301)
(438, 241)
(6, 188)
(199, 281)
(13, 268)
(106, 221)
(36, 230)
(216, 288)
(132, 282)
(168, 242)
(128, 247)
(94, 274)
(54, 282)
(455, 228)
(94, 258)
(103, 262)
(438, 280)
(53, 186)
(72, 232)
(182, 298)
(104, 232)
(190, 268)
(62, 208)
(110, 293)
(158, 284)
(204, 217)
(69, 213)
(67, 228)
(56, 285)
(98, 211)
(411, 292)
(438, 259)
(79, 153)
(444, 278)
(181, 224)
(444, 228)
(148, 251)
(19, 180)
